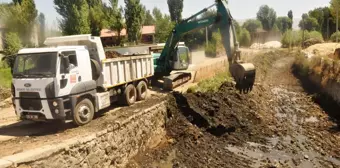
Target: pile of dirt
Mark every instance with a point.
(202, 125)
(267, 45)
(112, 54)
(324, 49)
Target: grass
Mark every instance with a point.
(5, 77)
(212, 84)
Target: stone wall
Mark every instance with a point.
(112, 147)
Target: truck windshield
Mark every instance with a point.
(35, 65)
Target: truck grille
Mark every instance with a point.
(30, 101)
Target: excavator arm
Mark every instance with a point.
(243, 73)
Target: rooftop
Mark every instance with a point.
(110, 33)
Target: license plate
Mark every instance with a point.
(32, 117)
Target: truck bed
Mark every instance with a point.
(119, 71)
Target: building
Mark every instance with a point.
(110, 37)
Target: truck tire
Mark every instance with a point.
(96, 70)
(83, 113)
(142, 91)
(129, 95)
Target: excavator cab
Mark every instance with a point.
(181, 58)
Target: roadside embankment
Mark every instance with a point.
(320, 77)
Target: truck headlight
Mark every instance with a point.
(56, 111)
(55, 104)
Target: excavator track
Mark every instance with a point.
(174, 80)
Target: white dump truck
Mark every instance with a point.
(72, 79)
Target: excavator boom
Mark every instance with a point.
(243, 73)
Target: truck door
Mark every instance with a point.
(68, 73)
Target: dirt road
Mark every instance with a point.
(277, 125)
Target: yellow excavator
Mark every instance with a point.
(173, 55)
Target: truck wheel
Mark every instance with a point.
(142, 90)
(83, 113)
(130, 95)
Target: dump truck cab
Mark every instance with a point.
(46, 79)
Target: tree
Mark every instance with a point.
(252, 25)
(244, 38)
(308, 23)
(291, 17)
(335, 6)
(96, 15)
(75, 16)
(267, 16)
(13, 45)
(149, 20)
(175, 9)
(42, 29)
(134, 19)
(20, 17)
(283, 23)
(163, 25)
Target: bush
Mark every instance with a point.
(13, 43)
(334, 35)
(314, 35)
(244, 38)
(295, 37)
(291, 37)
(6, 78)
(215, 45)
(210, 50)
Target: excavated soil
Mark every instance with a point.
(277, 125)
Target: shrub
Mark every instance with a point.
(334, 35)
(215, 45)
(314, 35)
(13, 43)
(244, 38)
(291, 37)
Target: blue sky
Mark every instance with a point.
(240, 9)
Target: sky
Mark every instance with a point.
(240, 9)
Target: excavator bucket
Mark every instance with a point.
(244, 75)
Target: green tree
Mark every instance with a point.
(13, 45)
(244, 38)
(163, 26)
(252, 25)
(309, 23)
(267, 16)
(96, 17)
(175, 9)
(335, 6)
(283, 23)
(20, 17)
(42, 28)
(291, 17)
(75, 16)
(149, 20)
(134, 19)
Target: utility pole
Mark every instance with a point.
(206, 36)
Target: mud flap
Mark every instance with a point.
(173, 81)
